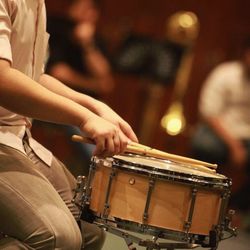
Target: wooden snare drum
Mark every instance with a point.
(170, 199)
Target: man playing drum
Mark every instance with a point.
(36, 211)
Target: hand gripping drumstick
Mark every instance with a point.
(137, 148)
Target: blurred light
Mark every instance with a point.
(186, 21)
(174, 122)
(182, 27)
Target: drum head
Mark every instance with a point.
(168, 166)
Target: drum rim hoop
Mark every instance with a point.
(163, 174)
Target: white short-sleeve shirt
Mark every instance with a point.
(226, 94)
(23, 42)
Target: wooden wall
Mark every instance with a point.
(223, 23)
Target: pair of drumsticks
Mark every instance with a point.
(137, 148)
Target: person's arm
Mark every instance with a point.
(99, 78)
(97, 64)
(22, 95)
(97, 107)
(74, 79)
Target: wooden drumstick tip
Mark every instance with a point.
(82, 139)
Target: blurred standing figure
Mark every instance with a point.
(77, 55)
(224, 136)
(78, 59)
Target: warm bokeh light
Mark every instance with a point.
(187, 20)
(183, 27)
(174, 122)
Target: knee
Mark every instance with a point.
(98, 240)
(68, 238)
(63, 237)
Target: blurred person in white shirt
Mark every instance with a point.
(223, 137)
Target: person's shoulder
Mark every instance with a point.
(227, 64)
(228, 67)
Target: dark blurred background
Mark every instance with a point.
(223, 26)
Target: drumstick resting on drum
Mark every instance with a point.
(137, 148)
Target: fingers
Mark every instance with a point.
(128, 131)
(110, 138)
(117, 144)
(111, 145)
(123, 142)
(100, 146)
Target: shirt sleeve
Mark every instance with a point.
(214, 93)
(6, 11)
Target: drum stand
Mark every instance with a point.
(148, 244)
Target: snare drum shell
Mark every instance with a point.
(169, 205)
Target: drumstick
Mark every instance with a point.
(177, 157)
(137, 148)
(166, 156)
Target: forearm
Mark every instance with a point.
(58, 87)
(74, 79)
(57, 103)
(22, 95)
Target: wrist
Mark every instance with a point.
(101, 108)
(85, 119)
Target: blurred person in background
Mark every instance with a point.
(77, 55)
(223, 137)
(78, 58)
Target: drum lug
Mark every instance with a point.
(83, 190)
(224, 203)
(87, 187)
(188, 223)
(224, 224)
(226, 227)
(228, 220)
(150, 190)
(217, 234)
(106, 203)
(79, 195)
